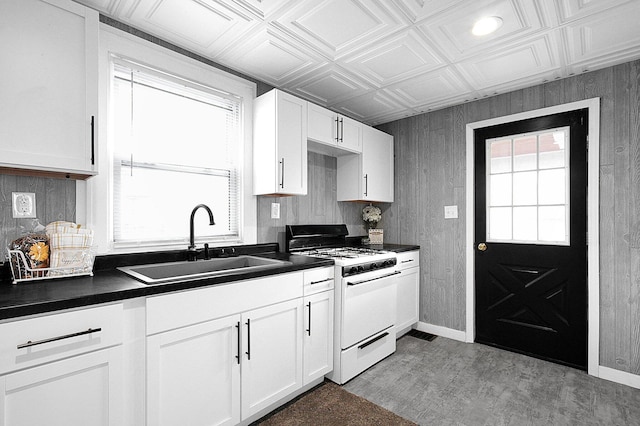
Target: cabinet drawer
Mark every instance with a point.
(317, 280)
(175, 310)
(33, 341)
(408, 259)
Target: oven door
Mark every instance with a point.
(368, 305)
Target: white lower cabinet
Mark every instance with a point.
(63, 369)
(193, 375)
(272, 355)
(84, 390)
(204, 370)
(318, 335)
(408, 291)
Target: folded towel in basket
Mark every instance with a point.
(70, 247)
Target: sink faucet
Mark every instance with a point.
(192, 244)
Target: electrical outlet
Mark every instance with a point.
(275, 210)
(450, 212)
(24, 205)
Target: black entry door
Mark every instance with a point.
(531, 237)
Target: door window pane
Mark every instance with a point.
(552, 152)
(501, 190)
(499, 223)
(528, 187)
(524, 223)
(552, 224)
(552, 186)
(500, 154)
(525, 153)
(525, 188)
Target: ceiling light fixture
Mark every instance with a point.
(486, 25)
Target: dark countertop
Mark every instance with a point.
(398, 248)
(109, 284)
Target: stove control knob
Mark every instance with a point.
(353, 270)
(373, 266)
(389, 262)
(360, 268)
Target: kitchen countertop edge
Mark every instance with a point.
(105, 286)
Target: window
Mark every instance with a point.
(176, 144)
(528, 188)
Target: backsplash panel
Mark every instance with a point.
(55, 200)
(319, 206)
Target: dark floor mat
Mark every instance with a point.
(421, 335)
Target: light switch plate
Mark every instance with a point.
(275, 210)
(24, 205)
(450, 212)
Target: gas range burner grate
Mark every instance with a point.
(340, 252)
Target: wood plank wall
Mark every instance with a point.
(55, 200)
(430, 167)
(319, 206)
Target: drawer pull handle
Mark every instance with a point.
(321, 281)
(372, 341)
(406, 261)
(53, 339)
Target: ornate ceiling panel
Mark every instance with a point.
(380, 60)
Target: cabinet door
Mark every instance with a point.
(321, 125)
(408, 298)
(193, 375)
(49, 85)
(350, 134)
(85, 390)
(318, 336)
(377, 165)
(272, 354)
(292, 144)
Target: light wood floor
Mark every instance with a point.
(445, 382)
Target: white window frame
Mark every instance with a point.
(94, 199)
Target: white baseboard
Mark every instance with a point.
(618, 376)
(438, 330)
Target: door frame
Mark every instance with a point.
(593, 220)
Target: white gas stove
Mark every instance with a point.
(365, 296)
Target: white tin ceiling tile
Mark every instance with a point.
(336, 27)
(370, 106)
(329, 84)
(570, 10)
(417, 10)
(205, 25)
(451, 30)
(268, 56)
(429, 88)
(502, 67)
(264, 9)
(397, 58)
(594, 38)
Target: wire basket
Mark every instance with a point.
(76, 263)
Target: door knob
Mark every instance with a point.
(482, 246)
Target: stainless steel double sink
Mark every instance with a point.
(159, 273)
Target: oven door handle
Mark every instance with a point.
(373, 279)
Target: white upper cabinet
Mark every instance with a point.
(368, 176)
(331, 133)
(279, 144)
(48, 106)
